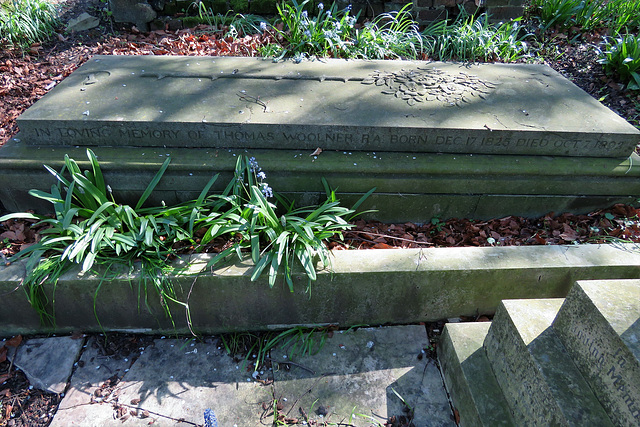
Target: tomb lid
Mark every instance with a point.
(226, 102)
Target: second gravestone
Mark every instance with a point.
(436, 139)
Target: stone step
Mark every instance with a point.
(380, 106)
(537, 375)
(471, 384)
(599, 325)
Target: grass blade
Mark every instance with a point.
(152, 185)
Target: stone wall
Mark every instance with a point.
(141, 12)
(499, 10)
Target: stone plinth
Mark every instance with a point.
(435, 139)
(410, 186)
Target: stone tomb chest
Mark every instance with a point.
(436, 139)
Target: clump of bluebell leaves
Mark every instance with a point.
(90, 228)
(331, 31)
(277, 234)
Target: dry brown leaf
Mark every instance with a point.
(381, 246)
(7, 411)
(11, 235)
(569, 234)
(14, 342)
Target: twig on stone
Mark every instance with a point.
(389, 237)
(311, 371)
(257, 100)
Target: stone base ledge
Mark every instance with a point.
(373, 287)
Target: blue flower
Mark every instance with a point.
(266, 190)
(307, 34)
(253, 164)
(262, 175)
(305, 15)
(263, 26)
(320, 6)
(329, 13)
(210, 419)
(348, 8)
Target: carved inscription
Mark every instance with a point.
(364, 139)
(613, 365)
(431, 84)
(75, 134)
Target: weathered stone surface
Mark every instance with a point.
(83, 22)
(335, 104)
(409, 186)
(539, 380)
(599, 325)
(503, 13)
(366, 287)
(47, 362)
(410, 146)
(173, 380)
(140, 13)
(361, 378)
(472, 386)
(84, 403)
(180, 379)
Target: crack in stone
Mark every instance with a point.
(239, 75)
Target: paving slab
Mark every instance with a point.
(471, 383)
(363, 377)
(412, 106)
(537, 375)
(599, 325)
(174, 380)
(48, 362)
(84, 404)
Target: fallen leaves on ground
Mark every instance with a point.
(21, 405)
(619, 223)
(16, 235)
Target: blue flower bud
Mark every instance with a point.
(210, 419)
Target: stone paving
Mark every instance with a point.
(358, 378)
